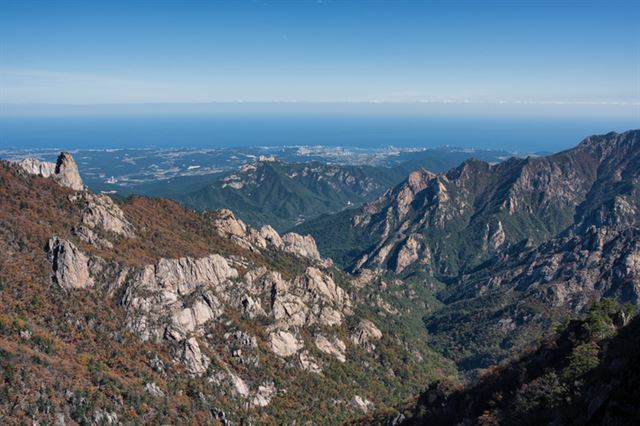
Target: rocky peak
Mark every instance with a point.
(616, 144)
(304, 246)
(418, 179)
(64, 171)
(267, 158)
(227, 225)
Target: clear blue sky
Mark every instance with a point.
(545, 51)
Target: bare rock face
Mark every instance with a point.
(175, 297)
(101, 212)
(593, 183)
(271, 236)
(303, 246)
(365, 333)
(308, 363)
(361, 403)
(88, 236)
(180, 301)
(239, 385)
(334, 347)
(284, 343)
(323, 284)
(263, 395)
(498, 237)
(409, 253)
(181, 275)
(227, 225)
(66, 172)
(364, 277)
(309, 299)
(36, 167)
(196, 362)
(70, 266)
(570, 271)
(251, 308)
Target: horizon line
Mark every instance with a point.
(347, 102)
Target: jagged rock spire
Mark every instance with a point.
(66, 172)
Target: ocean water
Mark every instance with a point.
(515, 134)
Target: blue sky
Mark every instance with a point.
(572, 53)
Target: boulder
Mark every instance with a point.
(69, 265)
(361, 403)
(271, 236)
(334, 347)
(284, 344)
(307, 362)
(100, 211)
(227, 225)
(263, 395)
(196, 362)
(239, 385)
(154, 390)
(365, 333)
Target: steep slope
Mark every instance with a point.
(146, 311)
(587, 374)
(517, 245)
(449, 223)
(513, 297)
(283, 194)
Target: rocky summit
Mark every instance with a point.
(510, 286)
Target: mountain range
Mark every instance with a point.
(485, 292)
(514, 244)
(284, 192)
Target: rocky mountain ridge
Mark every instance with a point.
(512, 247)
(283, 194)
(247, 316)
(451, 222)
(496, 205)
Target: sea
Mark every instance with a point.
(514, 134)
